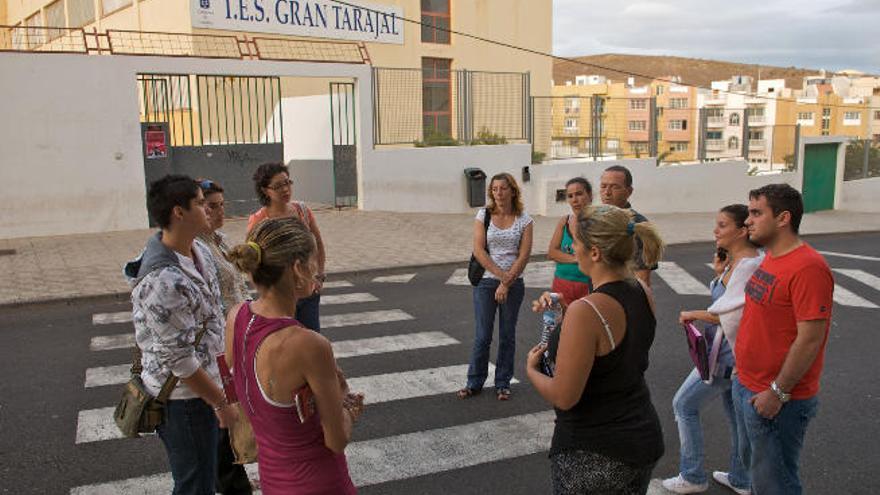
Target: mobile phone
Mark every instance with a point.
(722, 254)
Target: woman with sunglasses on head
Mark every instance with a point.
(607, 436)
(275, 192)
(568, 281)
(231, 477)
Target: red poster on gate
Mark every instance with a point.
(156, 146)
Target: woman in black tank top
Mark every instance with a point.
(607, 437)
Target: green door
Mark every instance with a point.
(820, 173)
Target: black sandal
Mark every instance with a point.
(467, 393)
(502, 393)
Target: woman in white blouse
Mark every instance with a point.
(503, 250)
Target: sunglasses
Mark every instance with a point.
(207, 184)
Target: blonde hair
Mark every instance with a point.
(272, 246)
(516, 203)
(613, 232)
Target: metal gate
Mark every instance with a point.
(343, 130)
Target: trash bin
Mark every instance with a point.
(476, 187)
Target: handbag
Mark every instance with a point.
(475, 269)
(137, 411)
(704, 358)
(241, 434)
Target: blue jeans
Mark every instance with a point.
(307, 312)
(775, 443)
(189, 432)
(692, 396)
(484, 312)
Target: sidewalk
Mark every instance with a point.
(63, 267)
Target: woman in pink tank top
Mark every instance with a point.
(285, 375)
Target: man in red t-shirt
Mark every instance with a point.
(780, 347)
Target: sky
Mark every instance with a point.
(813, 34)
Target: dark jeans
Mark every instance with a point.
(485, 308)
(231, 478)
(775, 443)
(307, 312)
(189, 432)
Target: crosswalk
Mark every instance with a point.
(360, 320)
(373, 461)
(682, 282)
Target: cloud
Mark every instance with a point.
(833, 34)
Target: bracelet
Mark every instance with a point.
(221, 406)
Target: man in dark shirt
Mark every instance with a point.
(615, 188)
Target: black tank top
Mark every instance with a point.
(614, 416)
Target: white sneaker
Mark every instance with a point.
(722, 478)
(681, 485)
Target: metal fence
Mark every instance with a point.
(213, 110)
(436, 106)
(601, 127)
(862, 159)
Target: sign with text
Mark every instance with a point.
(313, 18)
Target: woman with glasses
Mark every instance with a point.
(568, 280)
(275, 191)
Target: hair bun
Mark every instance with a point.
(245, 258)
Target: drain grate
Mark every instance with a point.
(7, 252)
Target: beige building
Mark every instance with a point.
(426, 95)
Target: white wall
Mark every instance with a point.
(70, 137)
(860, 195)
(432, 179)
(306, 128)
(672, 189)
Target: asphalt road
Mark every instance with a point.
(47, 352)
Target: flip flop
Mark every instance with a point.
(467, 393)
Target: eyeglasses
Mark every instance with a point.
(281, 185)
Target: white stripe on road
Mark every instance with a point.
(354, 297)
(95, 425)
(536, 275)
(410, 384)
(681, 281)
(846, 297)
(400, 457)
(108, 318)
(393, 343)
(862, 276)
(110, 342)
(365, 318)
(395, 279)
(107, 375)
(119, 374)
(337, 284)
(405, 456)
(847, 255)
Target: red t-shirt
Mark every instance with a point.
(797, 286)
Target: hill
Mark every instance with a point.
(695, 71)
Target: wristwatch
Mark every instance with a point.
(782, 396)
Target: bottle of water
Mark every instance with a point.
(551, 319)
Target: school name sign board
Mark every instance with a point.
(313, 18)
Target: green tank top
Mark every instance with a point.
(569, 271)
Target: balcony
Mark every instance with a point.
(757, 120)
(757, 144)
(715, 121)
(569, 130)
(714, 144)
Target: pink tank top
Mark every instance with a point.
(292, 456)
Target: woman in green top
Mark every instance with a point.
(568, 281)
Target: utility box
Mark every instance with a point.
(476, 187)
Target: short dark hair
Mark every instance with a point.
(168, 192)
(627, 175)
(782, 197)
(264, 175)
(209, 186)
(582, 181)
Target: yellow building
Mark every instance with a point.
(829, 114)
(390, 41)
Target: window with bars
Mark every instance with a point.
(678, 103)
(638, 104)
(436, 96)
(678, 146)
(806, 116)
(850, 117)
(678, 125)
(435, 21)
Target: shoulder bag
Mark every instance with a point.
(137, 411)
(475, 269)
